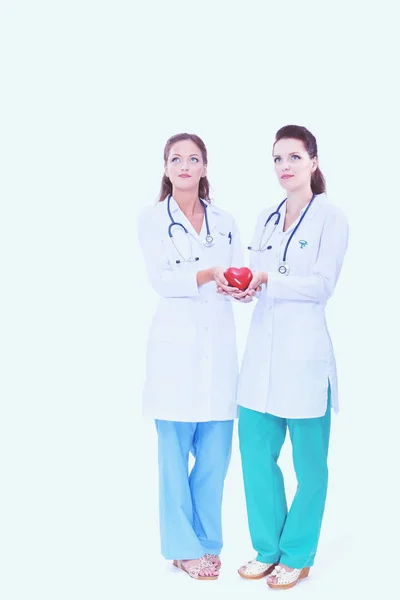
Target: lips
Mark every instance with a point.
(286, 176)
(184, 176)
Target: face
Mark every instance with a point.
(185, 166)
(293, 166)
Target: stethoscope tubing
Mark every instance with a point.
(208, 239)
(278, 215)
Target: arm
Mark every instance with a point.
(205, 276)
(165, 281)
(320, 285)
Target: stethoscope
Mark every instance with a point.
(208, 240)
(283, 267)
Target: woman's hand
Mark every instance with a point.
(223, 286)
(259, 277)
(245, 299)
(215, 274)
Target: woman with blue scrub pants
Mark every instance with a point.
(192, 365)
(288, 376)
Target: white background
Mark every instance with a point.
(90, 93)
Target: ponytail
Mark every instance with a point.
(318, 185)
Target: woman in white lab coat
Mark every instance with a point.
(288, 375)
(192, 364)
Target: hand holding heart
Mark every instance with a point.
(222, 282)
(246, 282)
(240, 283)
(259, 277)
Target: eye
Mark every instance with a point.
(277, 159)
(175, 159)
(194, 159)
(295, 157)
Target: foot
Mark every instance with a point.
(214, 560)
(199, 568)
(255, 569)
(283, 577)
(274, 578)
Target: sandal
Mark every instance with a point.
(214, 559)
(195, 570)
(287, 579)
(255, 569)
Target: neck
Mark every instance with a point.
(188, 201)
(298, 199)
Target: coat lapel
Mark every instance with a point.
(213, 216)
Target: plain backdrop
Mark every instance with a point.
(91, 90)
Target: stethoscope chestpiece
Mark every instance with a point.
(283, 269)
(209, 240)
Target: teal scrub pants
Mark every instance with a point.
(277, 535)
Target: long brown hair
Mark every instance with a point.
(166, 185)
(296, 132)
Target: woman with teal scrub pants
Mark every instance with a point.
(288, 376)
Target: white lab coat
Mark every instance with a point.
(192, 364)
(289, 357)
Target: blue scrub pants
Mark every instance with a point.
(278, 535)
(191, 503)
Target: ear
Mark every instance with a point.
(204, 173)
(315, 165)
(166, 171)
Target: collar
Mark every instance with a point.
(319, 201)
(174, 206)
(213, 215)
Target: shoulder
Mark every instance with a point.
(151, 215)
(219, 212)
(266, 212)
(333, 213)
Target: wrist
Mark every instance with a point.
(264, 277)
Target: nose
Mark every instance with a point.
(285, 166)
(184, 166)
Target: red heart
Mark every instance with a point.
(239, 278)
